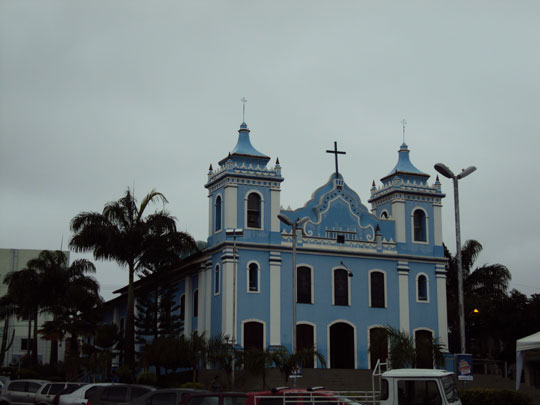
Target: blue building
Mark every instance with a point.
(359, 269)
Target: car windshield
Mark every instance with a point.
(450, 390)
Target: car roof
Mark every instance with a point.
(30, 380)
(88, 386)
(416, 372)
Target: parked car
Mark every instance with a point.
(47, 393)
(68, 390)
(117, 394)
(80, 395)
(166, 396)
(20, 392)
(215, 398)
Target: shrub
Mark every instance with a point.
(494, 397)
(125, 375)
(147, 379)
(193, 385)
(24, 373)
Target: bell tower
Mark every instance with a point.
(243, 192)
(414, 205)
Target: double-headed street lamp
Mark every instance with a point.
(446, 172)
(295, 226)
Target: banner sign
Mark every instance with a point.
(464, 367)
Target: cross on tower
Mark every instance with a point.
(336, 152)
(403, 122)
(244, 101)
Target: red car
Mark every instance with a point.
(215, 398)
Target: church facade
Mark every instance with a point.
(358, 269)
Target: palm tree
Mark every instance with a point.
(75, 310)
(24, 292)
(54, 275)
(7, 309)
(122, 233)
(481, 287)
(287, 362)
(405, 353)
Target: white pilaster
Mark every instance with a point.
(275, 298)
(227, 293)
(437, 224)
(403, 276)
(398, 214)
(275, 205)
(440, 272)
(188, 312)
(231, 206)
(202, 302)
(210, 209)
(209, 299)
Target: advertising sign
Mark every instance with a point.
(296, 372)
(464, 367)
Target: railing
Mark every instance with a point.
(320, 398)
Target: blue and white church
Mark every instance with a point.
(358, 268)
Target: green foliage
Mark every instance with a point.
(404, 353)
(286, 362)
(125, 374)
(123, 233)
(174, 380)
(147, 379)
(493, 397)
(24, 373)
(193, 385)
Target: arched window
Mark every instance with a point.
(384, 214)
(217, 279)
(341, 287)
(419, 224)
(254, 211)
(377, 288)
(196, 303)
(303, 285)
(183, 307)
(253, 277)
(218, 213)
(422, 288)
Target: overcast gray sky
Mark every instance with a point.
(96, 96)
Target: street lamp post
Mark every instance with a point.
(446, 172)
(295, 226)
(234, 232)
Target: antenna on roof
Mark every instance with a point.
(403, 122)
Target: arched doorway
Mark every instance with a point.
(341, 345)
(423, 340)
(253, 335)
(378, 346)
(305, 340)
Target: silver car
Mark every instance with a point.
(80, 395)
(47, 393)
(20, 392)
(165, 396)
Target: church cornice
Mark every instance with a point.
(405, 189)
(274, 184)
(236, 172)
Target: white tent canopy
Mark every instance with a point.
(531, 342)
